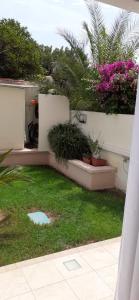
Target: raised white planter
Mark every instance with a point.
(114, 133)
(92, 178)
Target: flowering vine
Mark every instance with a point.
(116, 86)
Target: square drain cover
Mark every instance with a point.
(39, 218)
(72, 265)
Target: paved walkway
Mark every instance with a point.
(85, 273)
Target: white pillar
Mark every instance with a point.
(128, 277)
(53, 109)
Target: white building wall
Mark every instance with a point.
(12, 117)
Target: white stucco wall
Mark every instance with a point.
(53, 109)
(12, 117)
(117, 161)
(114, 133)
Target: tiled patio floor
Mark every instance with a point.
(85, 273)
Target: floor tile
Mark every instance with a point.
(113, 249)
(109, 276)
(89, 287)
(8, 268)
(12, 283)
(28, 296)
(98, 258)
(84, 267)
(49, 279)
(58, 291)
(42, 274)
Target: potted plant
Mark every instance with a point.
(87, 158)
(68, 142)
(96, 149)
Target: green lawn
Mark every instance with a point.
(81, 216)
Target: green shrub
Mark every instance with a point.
(67, 141)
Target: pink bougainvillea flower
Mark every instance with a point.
(116, 85)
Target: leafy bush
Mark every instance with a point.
(67, 141)
(116, 87)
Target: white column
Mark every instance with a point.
(128, 277)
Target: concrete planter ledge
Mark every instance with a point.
(26, 157)
(92, 178)
(89, 168)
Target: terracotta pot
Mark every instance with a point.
(98, 162)
(87, 160)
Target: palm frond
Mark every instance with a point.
(70, 38)
(131, 36)
(97, 27)
(91, 40)
(75, 45)
(4, 155)
(10, 174)
(119, 27)
(133, 43)
(133, 25)
(96, 17)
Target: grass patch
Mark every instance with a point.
(82, 216)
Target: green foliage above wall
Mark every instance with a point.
(19, 53)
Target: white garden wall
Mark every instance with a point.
(117, 161)
(114, 133)
(53, 109)
(12, 117)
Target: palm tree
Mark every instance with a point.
(120, 43)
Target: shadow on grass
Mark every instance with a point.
(4, 237)
(108, 201)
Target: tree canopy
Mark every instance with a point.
(19, 54)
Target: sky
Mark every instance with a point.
(44, 17)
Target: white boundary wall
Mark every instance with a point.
(53, 109)
(12, 117)
(114, 132)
